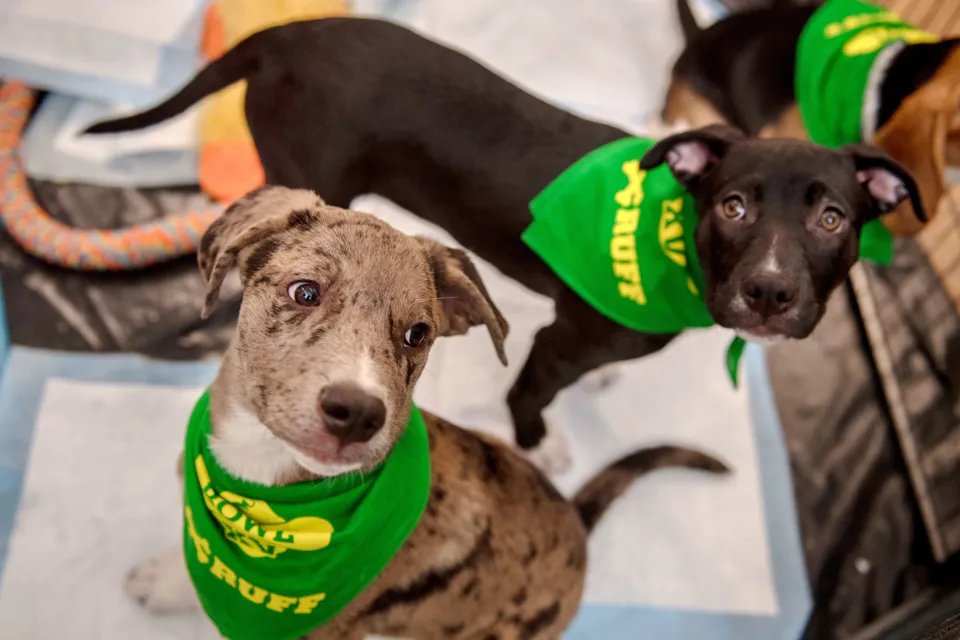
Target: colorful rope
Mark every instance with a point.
(80, 249)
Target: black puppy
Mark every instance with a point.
(742, 71)
(348, 107)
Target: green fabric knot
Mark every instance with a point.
(734, 354)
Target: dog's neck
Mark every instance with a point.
(244, 446)
(898, 71)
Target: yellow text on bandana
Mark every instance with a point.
(670, 232)
(886, 27)
(277, 602)
(623, 244)
(254, 527)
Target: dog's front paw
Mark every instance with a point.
(162, 584)
(601, 377)
(551, 456)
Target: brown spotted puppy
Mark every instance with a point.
(336, 300)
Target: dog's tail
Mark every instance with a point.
(688, 21)
(238, 63)
(608, 485)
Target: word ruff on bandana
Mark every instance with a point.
(837, 50)
(274, 563)
(622, 238)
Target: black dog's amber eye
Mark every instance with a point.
(416, 335)
(733, 208)
(830, 219)
(305, 294)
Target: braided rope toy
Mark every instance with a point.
(60, 244)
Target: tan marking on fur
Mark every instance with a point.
(788, 125)
(683, 104)
(922, 135)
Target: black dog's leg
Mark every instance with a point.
(579, 341)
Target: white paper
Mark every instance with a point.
(157, 21)
(100, 495)
(116, 39)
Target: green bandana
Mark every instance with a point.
(622, 238)
(836, 52)
(274, 563)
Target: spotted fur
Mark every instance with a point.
(499, 553)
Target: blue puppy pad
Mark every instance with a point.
(4, 337)
(56, 403)
(88, 489)
(21, 393)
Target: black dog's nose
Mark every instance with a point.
(350, 413)
(769, 295)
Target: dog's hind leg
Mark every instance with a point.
(579, 341)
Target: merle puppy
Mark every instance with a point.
(348, 107)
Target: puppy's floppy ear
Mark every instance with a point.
(692, 154)
(463, 296)
(255, 216)
(884, 179)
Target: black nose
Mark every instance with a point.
(350, 413)
(769, 295)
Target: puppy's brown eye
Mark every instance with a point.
(416, 335)
(305, 294)
(830, 219)
(733, 208)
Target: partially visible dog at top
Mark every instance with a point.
(702, 227)
(844, 72)
(319, 501)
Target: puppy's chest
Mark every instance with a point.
(622, 238)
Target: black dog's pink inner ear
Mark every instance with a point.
(883, 186)
(689, 159)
